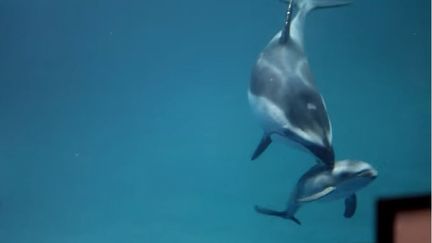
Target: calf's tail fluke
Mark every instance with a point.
(281, 214)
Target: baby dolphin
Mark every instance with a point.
(323, 183)
(282, 93)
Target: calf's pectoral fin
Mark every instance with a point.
(264, 143)
(350, 206)
(318, 195)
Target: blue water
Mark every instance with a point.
(128, 121)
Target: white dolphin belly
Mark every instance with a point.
(270, 117)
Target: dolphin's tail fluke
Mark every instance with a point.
(281, 214)
(303, 8)
(312, 4)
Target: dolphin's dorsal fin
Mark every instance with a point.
(264, 143)
(317, 195)
(287, 25)
(350, 206)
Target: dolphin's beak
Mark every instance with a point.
(374, 174)
(371, 173)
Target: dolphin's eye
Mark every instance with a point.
(344, 174)
(311, 106)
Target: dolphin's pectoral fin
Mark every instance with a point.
(281, 214)
(264, 143)
(317, 195)
(350, 206)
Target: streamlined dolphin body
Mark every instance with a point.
(282, 93)
(324, 183)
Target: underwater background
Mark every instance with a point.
(128, 121)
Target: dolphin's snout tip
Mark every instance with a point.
(368, 173)
(373, 174)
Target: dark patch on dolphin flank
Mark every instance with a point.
(324, 153)
(306, 111)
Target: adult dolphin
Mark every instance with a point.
(323, 183)
(282, 93)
